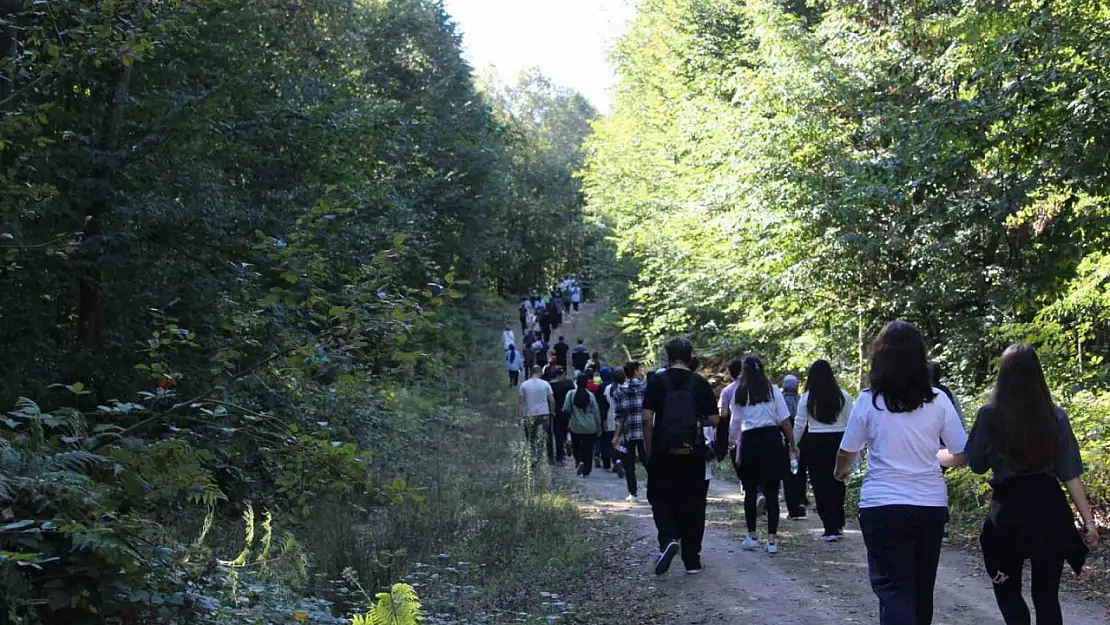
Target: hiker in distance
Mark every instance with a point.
(1026, 441)
(677, 404)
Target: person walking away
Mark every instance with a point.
(534, 411)
(579, 356)
(677, 404)
(795, 484)
(508, 338)
(575, 296)
(523, 311)
(556, 312)
(539, 351)
(594, 362)
(606, 447)
(514, 361)
(562, 350)
(545, 325)
(759, 422)
(901, 420)
(1025, 440)
(629, 437)
(819, 427)
(585, 425)
(560, 425)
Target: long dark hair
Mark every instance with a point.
(582, 394)
(826, 400)
(754, 387)
(1022, 425)
(899, 369)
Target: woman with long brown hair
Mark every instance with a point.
(823, 413)
(901, 420)
(1026, 441)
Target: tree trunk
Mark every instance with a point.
(89, 298)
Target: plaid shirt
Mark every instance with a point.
(629, 400)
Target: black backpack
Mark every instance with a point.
(679, 431)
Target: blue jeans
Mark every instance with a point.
(903, 552)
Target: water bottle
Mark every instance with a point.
(622, 449)
(793, 465)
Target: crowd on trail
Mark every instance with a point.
(902, 433)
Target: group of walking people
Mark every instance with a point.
(909, 426)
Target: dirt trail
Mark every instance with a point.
(808, 582)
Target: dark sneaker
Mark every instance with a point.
(663, 563)
(694, 567)
(581, 468)
(619, 470)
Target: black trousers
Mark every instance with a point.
(575, 304)
(678, 508)
(557, 441)
(634, 451)
(583, 446)
(764, 463)
(605, 450)
(819, 453)
(1046, 575)
(794, 487)
(514, 378)
(546, 331)
(903, 552)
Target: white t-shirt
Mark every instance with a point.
(611, 415)
(535, 392)
(767, 414)
(902, 466)
(816, 427)
(508, 339)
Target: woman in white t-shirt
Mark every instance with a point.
(759, 419)
(819, 427)
(901, 419)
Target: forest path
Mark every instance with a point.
(808, 582)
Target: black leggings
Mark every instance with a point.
(1045, 590)
(751, 510)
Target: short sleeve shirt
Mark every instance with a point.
(535, 392)
(679, 468)
(982, 456)
(902, 466)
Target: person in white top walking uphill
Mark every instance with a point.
(535, 411)
(677, 404)
(508, 338)
(759, 419)
(901, 419)
(1026, 441)
(819, 428)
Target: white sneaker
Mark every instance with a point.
(829, 538)
(772, 549)
(632, 498)
(750, 543)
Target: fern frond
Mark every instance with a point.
(399, 606)
(248, 540)
(76, 460)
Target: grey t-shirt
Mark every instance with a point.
(982, 456)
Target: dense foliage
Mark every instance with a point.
(230, 231)
(785, 177)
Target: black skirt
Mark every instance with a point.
(764, 458)
(1030, 518)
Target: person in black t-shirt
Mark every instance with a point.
(579, 356)
(561, 350)
(557, 442)
(677, 484)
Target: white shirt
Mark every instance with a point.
(816, 427)
(767, 414)
(535, 392)
(902, 467)
(575, 294)
(611, 415)
(508, 339)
